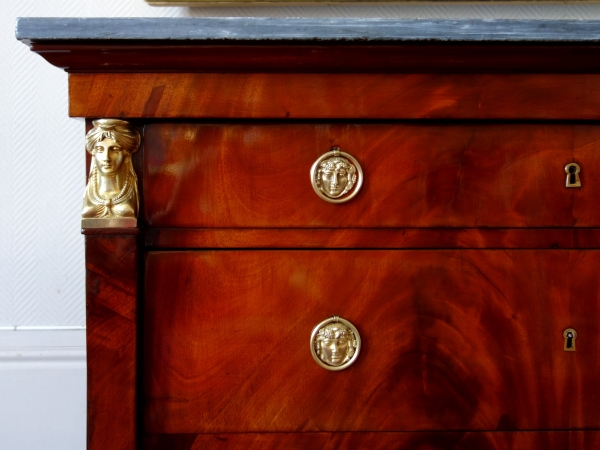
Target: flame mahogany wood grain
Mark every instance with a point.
(334, 96)
(111, 292)
(416, 175)
(452, 340)
(113, 57)
(549, 440)
(415, 238)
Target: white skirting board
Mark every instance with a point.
(43, 388)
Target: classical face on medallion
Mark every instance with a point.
(335, 344)
(336, 176)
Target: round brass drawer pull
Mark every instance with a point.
(336, 176)
(335, 343)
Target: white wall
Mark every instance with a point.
(42, 374)
(42, 175)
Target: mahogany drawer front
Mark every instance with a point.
(415, 175)
(438, 440)
(452, 340)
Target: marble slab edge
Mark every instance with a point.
(33, 29)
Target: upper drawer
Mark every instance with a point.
(415, 175)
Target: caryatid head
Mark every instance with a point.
(111, 143)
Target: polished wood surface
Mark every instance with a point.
(485, 257)
(416, 175)
(409, 238)
(452, 340)
(111, 293)
(335, 96)
(114, 57)
(553, 440)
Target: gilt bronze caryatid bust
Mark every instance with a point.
(111, 195)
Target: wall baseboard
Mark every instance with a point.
(42, 327)
(43, 389)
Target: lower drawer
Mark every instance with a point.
(433, 440)
(451, 340)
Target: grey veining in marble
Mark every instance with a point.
(294, 29)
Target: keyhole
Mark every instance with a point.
(570, 336)
(569, 340)
(573, 170)
(572, 177)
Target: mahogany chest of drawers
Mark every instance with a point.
(465, 260)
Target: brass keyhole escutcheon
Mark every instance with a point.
(573, 179)
(570, 336)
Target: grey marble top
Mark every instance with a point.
(293, 29)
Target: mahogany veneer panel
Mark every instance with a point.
(554, 440)
(111, 293)
(416, 175)
(423, 238)
(327, 96)
(452, 340)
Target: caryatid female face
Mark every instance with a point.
(109, 156)
(337, 176)
(335, 344)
